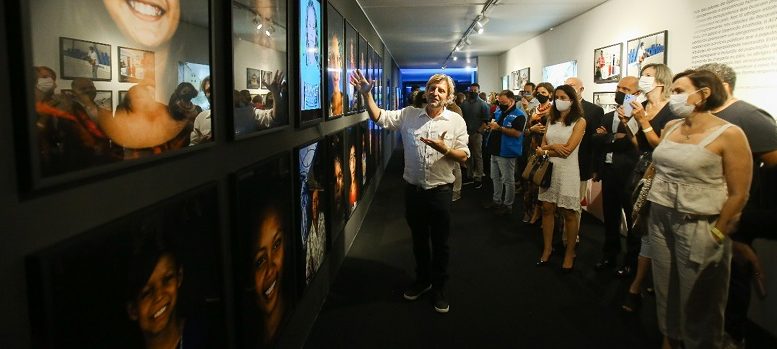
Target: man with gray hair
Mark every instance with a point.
(761, 132)
(434, 139)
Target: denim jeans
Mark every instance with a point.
(503, 176)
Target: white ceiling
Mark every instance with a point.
(421, 34)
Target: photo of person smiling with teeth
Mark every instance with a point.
(150, 23)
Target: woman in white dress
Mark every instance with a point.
(566, 127)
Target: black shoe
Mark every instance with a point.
(440, 303)
(416, 290)
(624, 271)
(568, 270)
(605, 263)
(542, 263)
(490, 204)
(504, 210)
(478, 184)
(632, 303)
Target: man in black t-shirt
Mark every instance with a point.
(761, 132)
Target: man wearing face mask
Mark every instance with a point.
(616, 156)
(528, 102)
(505, 144)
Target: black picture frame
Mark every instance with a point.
(254, 79)
(519, 78)
(310, 184)
(352, 98)
(254, 34)
(132, 58)
(607, 64)
(338, 211)
(335, 43)
(103, 99)
(88, 290)
(75, 60)
(264, 256)
(656, 52)
(310, 70)
(606, 100)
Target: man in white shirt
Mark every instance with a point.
(434, 139)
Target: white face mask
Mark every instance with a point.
(45, 85)
(647, 83)
(678, 103)
(563, 105)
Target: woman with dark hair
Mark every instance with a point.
(535, 131)
(566, 127)
(703, 172)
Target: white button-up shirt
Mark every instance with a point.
(425, 166)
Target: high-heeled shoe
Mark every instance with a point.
(542, 263)
(569, 270)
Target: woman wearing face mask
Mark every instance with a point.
(535, 130)
(703, 173)
(566, 127)
(651, 116)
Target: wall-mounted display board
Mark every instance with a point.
(260, 49)
(311, 186)
(310, 63)
(66, 140)
(264, 265)
(645, 50)
(607, 63)
(156, 273)
(335, 71)
(352, 97)
(606, 100)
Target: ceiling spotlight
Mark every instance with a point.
(482, 21)
(466, 41)
(480, 31)
(551, 28)
(443, 67)
(455, 58)
(458, 48)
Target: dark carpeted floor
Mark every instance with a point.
(498, 298)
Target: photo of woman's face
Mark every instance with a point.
(149, 22)
(154, 307)
(334, 60)
(352, 163)
(268, 262)
(338, 167)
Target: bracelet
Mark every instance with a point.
(646, 130)
(718, 234)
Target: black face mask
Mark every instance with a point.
(541, 98)
(619, 97)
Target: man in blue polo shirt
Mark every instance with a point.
(504, 143)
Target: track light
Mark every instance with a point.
(480, 31)
(458, 48)
(455, 58)
(466, 41)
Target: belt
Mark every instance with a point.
(441, 187)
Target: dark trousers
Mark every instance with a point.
(615, 198)
(428, 215)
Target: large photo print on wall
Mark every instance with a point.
(259, 46)
(338, 212)
(558, 73)
(607, 64)
(153, 275)
(645, 50)
(264, 266)
(520, 78)
(313, 208)
(335, 72)
(71, 136)
(351, 104)
(310, 62)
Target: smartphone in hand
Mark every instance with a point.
(627, 109)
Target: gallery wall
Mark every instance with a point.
(488, 73)
(36, 219)
(617, 21)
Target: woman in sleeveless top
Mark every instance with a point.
(561, 141)
(703, 172)
(535, 130)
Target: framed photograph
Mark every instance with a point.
(606, 100)
(506, 82)
(254, 78)
(310, 63)
(338, 204)
(199, 76)
(607, 64)
(353, 183)
(645, 50)
(63, 150)
(84, 59)
(520, 78)
(366, 153)
(154, 272)
(362, 65)
(137, 66)
(335, 71)
(351, 102)
(263, 251)
(260, 40)
(556, 74)
(103, 99)
(313, 207)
